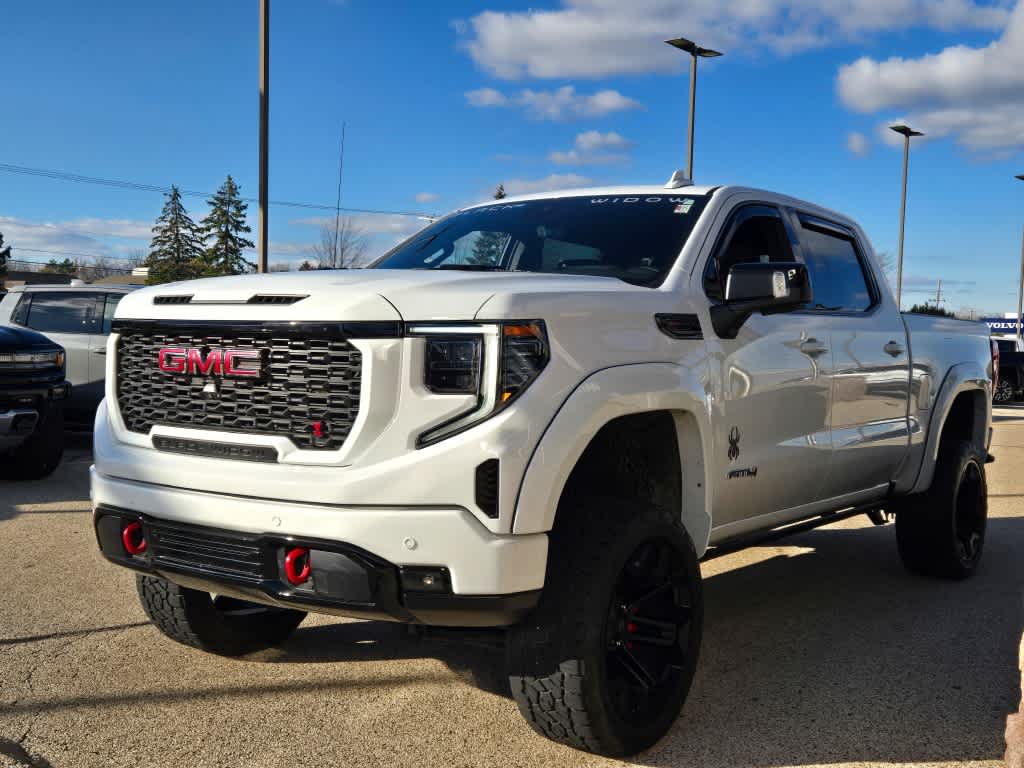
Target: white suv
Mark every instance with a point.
(77, 317)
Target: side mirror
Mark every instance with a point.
(768, 288)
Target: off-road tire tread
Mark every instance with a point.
(554, 704)
(188, 617)
(923, 524)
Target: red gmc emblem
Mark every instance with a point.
(193, 361)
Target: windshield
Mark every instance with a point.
(636, 239)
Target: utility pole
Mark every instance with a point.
(261, 226)
(695, 51)
(938, 295)
(337, 203)
(906, 133)
(1020, 292)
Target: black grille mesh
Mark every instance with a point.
(305, 380)
(198, 549)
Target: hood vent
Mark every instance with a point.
(172, 299)
(275, 298)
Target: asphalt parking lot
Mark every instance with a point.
(819, 650)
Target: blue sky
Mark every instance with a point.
(444, 100)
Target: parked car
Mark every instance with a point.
(1011, 372)
(78, 318)
(32, 396)
(535, 414)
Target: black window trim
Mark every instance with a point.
(742, 212)
(822, 225)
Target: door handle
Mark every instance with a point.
(100, 351)
(894, 348)
(813, 348)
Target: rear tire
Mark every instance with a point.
(606, 661)
(41, 453)
(942, 532)
(221, 625)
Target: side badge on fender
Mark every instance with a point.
(734, 444)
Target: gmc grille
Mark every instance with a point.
(308, 391)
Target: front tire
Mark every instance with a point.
(942, 532)
(606, 661)
(221, 625)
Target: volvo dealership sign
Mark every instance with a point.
(1006, 326)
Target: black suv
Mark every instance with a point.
(32, 395)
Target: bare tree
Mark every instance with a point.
(280, 266)
(343, 244)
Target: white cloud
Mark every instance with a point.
(486, 97)
(591, 149)
(427, 197)
(600, 38)
(858, 143)
(973, 94)
(548, 184)
(559, 104)
(76, 238)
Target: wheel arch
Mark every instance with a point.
(962, 410)
(653, 410)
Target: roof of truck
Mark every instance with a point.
(633, 190)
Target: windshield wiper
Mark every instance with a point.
(472, 267)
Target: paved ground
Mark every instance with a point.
(818, 651)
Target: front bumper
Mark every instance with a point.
(490, 580)
(15, 426)
(23, 407)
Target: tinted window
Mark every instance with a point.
(636, 239)
(755, 234)
(108, 312)
(63, 312)
(837, 277)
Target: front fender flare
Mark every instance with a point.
(606, 395)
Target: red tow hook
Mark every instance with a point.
(133, 538)
(297, 568)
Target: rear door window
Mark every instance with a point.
(838, 280)
(64, 312)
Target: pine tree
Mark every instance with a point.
(5, 254)
(488, 247)
(176, 251)
(225, 226)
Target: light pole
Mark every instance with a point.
(694, 50)
(261, 225)
(1020, 292)
(907, 133)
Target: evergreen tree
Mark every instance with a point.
(5, 254)
(488, 247)
(176, 251)
(225, 226)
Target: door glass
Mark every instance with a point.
(63, 312)
(837, 277)
(108, 312)
(758, 236)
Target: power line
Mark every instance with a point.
(15, 248)
(48, 173)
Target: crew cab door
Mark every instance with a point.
(871, 380)
(770, 386)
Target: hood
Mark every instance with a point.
(13, 338)
(355, 295)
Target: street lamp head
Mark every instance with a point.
(692, 48)
(905, 130)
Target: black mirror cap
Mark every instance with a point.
(768, 288)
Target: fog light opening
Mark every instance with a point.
(133, 538)
(297, 568)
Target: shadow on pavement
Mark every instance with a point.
(69, 633)
(835, 654)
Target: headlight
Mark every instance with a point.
(31, 361)
(496, 362)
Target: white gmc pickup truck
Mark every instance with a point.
(538, 413)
